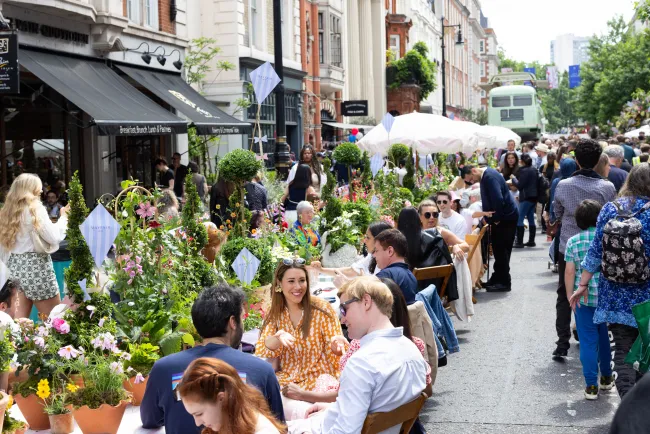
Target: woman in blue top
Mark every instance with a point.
(615, 300)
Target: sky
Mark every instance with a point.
(525, 28)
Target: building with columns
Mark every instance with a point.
(475, 35)
(365, 39)
(244, 32)
(457, 58)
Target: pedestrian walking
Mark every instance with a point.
(526, 183)
(583, 184)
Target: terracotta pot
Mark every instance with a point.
(32, 409)
(78, 380)
(61, 423)
(136, 390)
(104, 420)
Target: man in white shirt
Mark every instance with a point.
(450, 219)
(387, 372)
(542, 152)
(511, 147)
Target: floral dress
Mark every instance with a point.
(310, 357)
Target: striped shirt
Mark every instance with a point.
(576, 251)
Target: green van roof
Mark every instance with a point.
(513, 90)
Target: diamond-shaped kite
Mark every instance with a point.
(376, 163)
(100, 230)
(246, 266)
(82, 284)
(388, 122)
(264, 80)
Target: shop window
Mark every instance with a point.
(321, 38)
(151, 13)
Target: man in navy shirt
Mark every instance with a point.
(502, 217)
(390, 250)
(217, 315)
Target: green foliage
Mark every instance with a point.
(7, 350)
(102, 383)
(642, 8)
(143, 356)
(635, 112)
(82, 260)
(348, 154)
(366, 174)
(415, 67)
(617, 68)
(342, 230)
(364, 214)
(477, 116)
(239, 166)
(397, 153)
(260, 250)
(409, 178)
(199, 59)
(191, 213)
(11, 425)
(327, 190)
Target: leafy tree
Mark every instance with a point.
(477, 116)
(415, 67)
(347, 154)
(366, 175)
(618, 67)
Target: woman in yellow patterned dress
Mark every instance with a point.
(298, 331)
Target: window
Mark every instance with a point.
(394, 46)
(143, 12)
(253, 26)
(335, 41)
(321, 39)
(482, 69)
(512, 115)
(481, 46)
(522, 100)
(482, 94)
(501, 101)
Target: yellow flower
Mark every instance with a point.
(218, 207)
(233, 215)
(43, 393)
(44, 384)
(72, 387)
(254, 231)
(237, 204)
(228, 221)
(10, 403)
(221, 227)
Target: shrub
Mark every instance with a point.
(239, 166)
(259, 249)
(347, 154)
(397, 153)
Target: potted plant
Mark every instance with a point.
(100, 404)
(347, 154)
(340, 240)
(8, 424)
(143, 356)
(56, 404)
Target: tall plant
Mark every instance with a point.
(82, 260)
(347, 154)
(409, 178)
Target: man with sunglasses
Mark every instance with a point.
(386, 372)
(450, 219)
(497, 200)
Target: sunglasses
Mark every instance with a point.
(428, 215)
(290, 261)
(442, 202)
(343, 307)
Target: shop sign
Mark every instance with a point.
(9, 71)
(231, 129)
(354, 108)
(50, 32)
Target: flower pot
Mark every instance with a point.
(61, 423)
(78, 380)
(104, 420)
(32, 409)
(343, 257)
(136, 390)
(4, 401)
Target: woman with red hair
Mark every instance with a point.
(215, 395)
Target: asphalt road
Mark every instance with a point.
(504, 380)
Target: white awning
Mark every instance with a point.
(366, 128)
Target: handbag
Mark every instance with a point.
(551, 229)
(639, 355)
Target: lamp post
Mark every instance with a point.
(459, 41)
(281, 154)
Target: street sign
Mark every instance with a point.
(574, 76)
(354, 108)
(9, 71)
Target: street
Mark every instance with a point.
(504, 379)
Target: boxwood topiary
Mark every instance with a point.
(239, 166)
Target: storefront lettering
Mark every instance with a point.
(145, 130)
(225, 130)
(191, 104)
(50, 32)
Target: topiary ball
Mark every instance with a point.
(239, 165)
(347, 154)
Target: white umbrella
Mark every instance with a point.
(635, 133)
(427, 134)
(491, 137)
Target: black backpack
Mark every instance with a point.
(542, 188)
(624, 259)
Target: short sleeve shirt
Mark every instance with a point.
(166, 177)
(576, 251)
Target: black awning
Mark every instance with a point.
(117, 108)
(171, 88)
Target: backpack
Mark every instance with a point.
(542, 188)
(624, 259)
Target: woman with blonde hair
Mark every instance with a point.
(298, 331)
(214, 394)
(27, 237)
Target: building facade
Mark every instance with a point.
(365, 67)
(475, 35)
(567, 50)
(244, 31)
(457, 57)
(77, 62)
(488, 48)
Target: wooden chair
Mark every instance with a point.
(475, 243)
(429, 273)
(406, 415)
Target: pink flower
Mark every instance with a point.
(39, 341)
(61, 326)
(117, 368)
(139, 379)
(68, 352)
(146, 210)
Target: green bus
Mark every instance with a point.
(515, 106)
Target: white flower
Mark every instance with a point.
(139, 379)
(117, 368)
(39, 341)
(125, 356)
